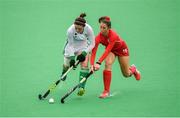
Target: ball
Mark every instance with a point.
(51, 100)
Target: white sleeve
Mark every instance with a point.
(91, 39)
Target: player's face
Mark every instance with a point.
(104, 29)
(79, 28)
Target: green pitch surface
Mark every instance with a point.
(32, 36)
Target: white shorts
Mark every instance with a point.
(67, 61)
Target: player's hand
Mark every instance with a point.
(72, 63)
(92, 68)
(82, 56)
(97, 66)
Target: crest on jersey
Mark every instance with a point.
(125, 50)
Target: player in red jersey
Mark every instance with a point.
(115, 47)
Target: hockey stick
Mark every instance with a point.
(75, 87)
(53, 86)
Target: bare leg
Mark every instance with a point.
(107, 74)
(124, 64)
(109, 61)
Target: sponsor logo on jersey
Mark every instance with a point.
(125, 50)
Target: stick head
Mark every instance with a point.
(62, 101)
(40, 97)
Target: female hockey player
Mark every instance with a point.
(115, 47)
(80, 42)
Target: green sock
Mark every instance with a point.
(63, 71)
(83, 73)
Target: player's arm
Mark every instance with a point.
(94, 50)
(71, 49)
(108, 50)
(93, 54)
(70, 42)
(91, 39)
(91, 44)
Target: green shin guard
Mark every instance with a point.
(63, 71)
(83, 73)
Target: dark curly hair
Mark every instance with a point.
(80, 20)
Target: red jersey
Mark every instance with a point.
(112, 42)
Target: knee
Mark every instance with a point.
(108, 65)
(65, 66)
(84, 66)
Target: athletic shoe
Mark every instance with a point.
(81, 92)
(135, 72)
(104, 94)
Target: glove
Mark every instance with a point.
(72, 62)
(82, 56)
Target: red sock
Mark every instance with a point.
(107, 80)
